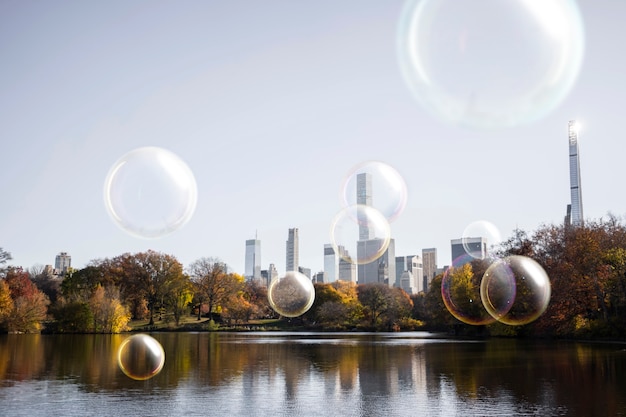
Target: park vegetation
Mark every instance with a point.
(151, 290)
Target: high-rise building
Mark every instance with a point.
(331, 263)
(476, 246)
(429, 262)
(381, 270)
(305, 271)
(272, 273)
(417, 270)
(346, 270)
(253, 259)
(293, 253)
(62, 263)
(575, 209)
(403, 263)
(364, 197)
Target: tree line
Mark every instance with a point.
(586, 266)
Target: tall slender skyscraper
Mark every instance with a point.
(575, 211)
(364, 197)
(293, 253)
(62, 263)
(253, 259)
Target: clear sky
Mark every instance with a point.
(270, 104)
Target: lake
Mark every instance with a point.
(313, 374)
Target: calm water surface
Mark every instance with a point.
(313, 374)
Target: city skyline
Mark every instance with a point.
(271, 113)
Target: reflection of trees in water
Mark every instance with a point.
(589, 379)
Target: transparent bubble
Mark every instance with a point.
(490, 63)
(150, 192)
(141, 357)
(379, 185)
(460, 291)
(515, 290)
(480, 229)
(360, 234)
(291, 295)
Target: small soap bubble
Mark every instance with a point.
(481, 229)
(515, 290)
(150, 192)
(460, 291)
(490, 63)
(291, 295)
(360, 234)
(375, 184)
(141, 357)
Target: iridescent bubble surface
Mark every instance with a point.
(375, 184)
(480, 229)
(291, 295)
(490, 63)
(460, 291)
(150, 192)
(360, 234)
(141, 357)
(515, 290)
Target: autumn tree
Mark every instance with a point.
(155, 277)
(213, 285)
(109, 315)
(30, 306)
(384, 306)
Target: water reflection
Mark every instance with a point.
(317, 374)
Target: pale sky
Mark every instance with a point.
(270, 104)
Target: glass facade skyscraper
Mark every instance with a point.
(575, 211)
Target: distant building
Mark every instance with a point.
(319, 277)
(403, 263)
(347, 270)
(364, 197)
(417, 270)
(62, 263)
(253, 259)
(429, 262)
(272, 273)
(381, 270)
(474, 246)
(305, 271)
(574, 214)
(293, 252)
(331, 263)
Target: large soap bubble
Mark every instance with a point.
(490, 63)
(460, 291)
(150, 192)
(141, 357)
(360, 234)
(375, 184)
(291, 295)
(515, 290)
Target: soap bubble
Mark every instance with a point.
(360, 234)
(382, 188)
(460, 291)
(141, 357)
(490, 63)
(480, 229)
(150, 192)
(515, 290)
(291, 295)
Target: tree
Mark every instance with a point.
(4, 258)
(375, 300)
(6, 302)
(213, 284)
(30, 306)
(109, 315)
(155, 277)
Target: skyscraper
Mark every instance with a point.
(575, 210)
(474, 246)
(293, 254)
(253, 259)
(429, 262)
(331, 263)
(364, 197)
(62, 263)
